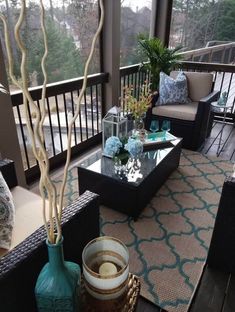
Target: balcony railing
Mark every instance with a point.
(133, 76)
(212, 53)
(61, 99)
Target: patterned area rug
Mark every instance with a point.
(168, 244)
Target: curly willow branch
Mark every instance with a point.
(11, 73)
(78, 106)
(40, 127)
(41, 154)
(37, 135)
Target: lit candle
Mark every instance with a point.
(107, 268)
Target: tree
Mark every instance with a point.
(202, 21)
(225, 26)
(132, 23)
(63, 61)
(9, 10)
(83, 17)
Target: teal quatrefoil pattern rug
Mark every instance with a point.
(169, 243)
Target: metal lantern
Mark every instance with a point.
(114, 124)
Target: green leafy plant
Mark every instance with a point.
(160, 58)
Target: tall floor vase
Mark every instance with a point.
(58, 284)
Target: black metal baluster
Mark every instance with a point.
(148, 75)
(142, 80)
(59, 126)
(135, 85)
(80, 121)
(233, 105)
(124, 81)
(128, 80)
(132, 80)
(121, 87)
(73, 112)
(23, 137)
(40, 114)
(92, 112)
(139, 74)
(230, 81)
(31, 125)
(215, 78)
(66, 113)
(222, 82)
(39, 108)
(97, 107)
(86, 122)
(51, 128)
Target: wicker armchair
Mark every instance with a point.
(189, 121)
(20, 267)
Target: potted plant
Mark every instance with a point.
(137, 107)
(160, 58)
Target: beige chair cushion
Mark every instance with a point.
(199, 84)
(179, 111)
(28, 214)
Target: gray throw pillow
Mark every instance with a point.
(7, 214)
(173, 90)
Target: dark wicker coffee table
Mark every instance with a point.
(132, 192)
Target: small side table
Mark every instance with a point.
(215, 107)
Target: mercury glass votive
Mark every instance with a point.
(105, 268)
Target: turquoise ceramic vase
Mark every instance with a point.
(58, 284)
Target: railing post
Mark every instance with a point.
(223, 55)
(230, 55)
(9, 143)
(110, 53)
(210, 56)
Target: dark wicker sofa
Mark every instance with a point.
(20, 267)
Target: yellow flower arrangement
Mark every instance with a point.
(137, 107)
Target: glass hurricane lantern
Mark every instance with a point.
(114, 123)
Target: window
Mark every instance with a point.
(135, 19)
(198, 24)
(70, 28)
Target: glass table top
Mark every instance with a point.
(136, 169)
(221, 108)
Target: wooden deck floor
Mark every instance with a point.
(227, 148)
